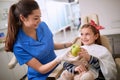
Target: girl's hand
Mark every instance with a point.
(84, 54)
(81, 68)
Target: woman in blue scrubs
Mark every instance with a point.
(31, 40)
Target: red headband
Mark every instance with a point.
(98, 27)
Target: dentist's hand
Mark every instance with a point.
(66, 57)
(60, 58)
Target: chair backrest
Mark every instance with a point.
(105, 42)
(88, 18)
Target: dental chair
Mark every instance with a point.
(105, 42)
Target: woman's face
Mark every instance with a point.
(32, 20)
(87, 36)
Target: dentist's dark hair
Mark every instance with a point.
(24, 8)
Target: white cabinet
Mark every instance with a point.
(56, 14)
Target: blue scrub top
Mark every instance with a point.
(26, 48)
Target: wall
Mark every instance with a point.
(107, 10)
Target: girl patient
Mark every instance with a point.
(94, 62)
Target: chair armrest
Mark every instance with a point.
(12, 62)
(56, 73)
(117, 61)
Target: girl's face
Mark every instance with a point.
(87, 36)
(32, 20)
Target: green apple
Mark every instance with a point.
(75, 49)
